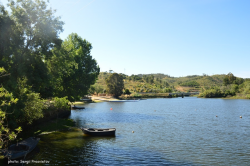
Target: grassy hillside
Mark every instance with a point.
(161, 83)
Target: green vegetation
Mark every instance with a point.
(127, 92)
(190, 84)
(231, 79)
(6, 135)
(115, 84)
(39, 71)
(72, 68)
(232, 86)
(156, 84)
(160, 83)
(96, 89)
(61, 103)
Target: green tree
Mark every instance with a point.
(61, 103)
(29, 106)
(5, 38)
(229, 79)
(6, 100)
(166, 84)
(226, 81)
(6, 134)
(127, 92)
(33, 31)
(92, 89)
(239, 81)
(73, 68)
(115, 84)
(98, 89)
(190, 83)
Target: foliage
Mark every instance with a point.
(29, 106)
(127, 92)
(92, 89)
(134, 78)
(73, 68)
(190, 84)
(38, 65)
(167, 90)
(34, 106)
(231, 79)
(32, 33)
(6, 135)
(223, 91)
(136, 95)
(5, 43)
(115, 84)
(61, 103)
(245, 88)
(167, 84)
(210, 93)
(149, 79)
(149, 82)
(96, 89)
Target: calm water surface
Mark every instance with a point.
(177, 131)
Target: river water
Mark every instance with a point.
(177, 131)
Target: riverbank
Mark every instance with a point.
(98, 99)
(150, 95)
(238, 96)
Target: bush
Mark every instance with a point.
(190, 84)
(167, 90)
(127, 92)
(61, 103)
(212, 93)
(136, 95)
(34, 106)
(6, 135)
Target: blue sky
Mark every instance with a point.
(175, 37)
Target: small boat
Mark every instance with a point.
(77, 107)
(20, 149)
(99, 132)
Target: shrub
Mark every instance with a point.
(34, 106)
(136, 95)
(61, 103)
(127, 92)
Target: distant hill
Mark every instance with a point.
(164, 83)
(208, 86)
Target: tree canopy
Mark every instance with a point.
(73, 68)
(32, 31)
(115, 84)
(231, 79)
(36, 64)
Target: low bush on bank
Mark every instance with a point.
(61, 103)
(56, 105)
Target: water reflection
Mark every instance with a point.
(70, 148)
